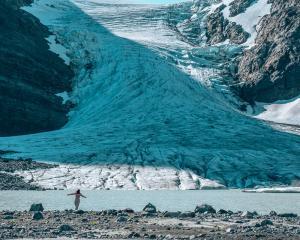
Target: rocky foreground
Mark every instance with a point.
(10, 181)
(203, 223)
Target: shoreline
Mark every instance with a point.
(202, 223)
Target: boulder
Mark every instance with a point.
(149, 208)
(128, 210)
(273, 213)
(134, 235)
(65, 228)
(37, 216)
(112, 212)
(80, 212)
(229, 230)
(36, 207)
(266, 222)
(222, 211)
(247, 214)
(122, 219)
(204, 208)
(229, 212)
(171, 214)
(187, 215)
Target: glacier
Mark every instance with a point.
(152, 109)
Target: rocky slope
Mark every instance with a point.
(220, 29)
(270, 70)
(30, 74)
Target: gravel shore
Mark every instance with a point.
(202, 223)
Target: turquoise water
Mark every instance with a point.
(164, 200)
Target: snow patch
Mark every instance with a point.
(64, 95)
(249, 19)
(58, 49)
(287, 112)
(46, 14)
(274, 190)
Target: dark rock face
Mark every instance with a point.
(218, 29)
(236, 33)
(239, 6)
(270, 70)
(30, 75)
(215, 26)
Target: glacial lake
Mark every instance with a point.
(164, 200)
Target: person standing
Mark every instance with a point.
(77, 198)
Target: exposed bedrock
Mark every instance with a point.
(219, 29)
(239, 6)
(30, 74)
(270, 70)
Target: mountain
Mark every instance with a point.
(153, 101)
(270, 70)
(30, 75)
(269, 32)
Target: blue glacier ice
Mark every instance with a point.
(146, 97)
